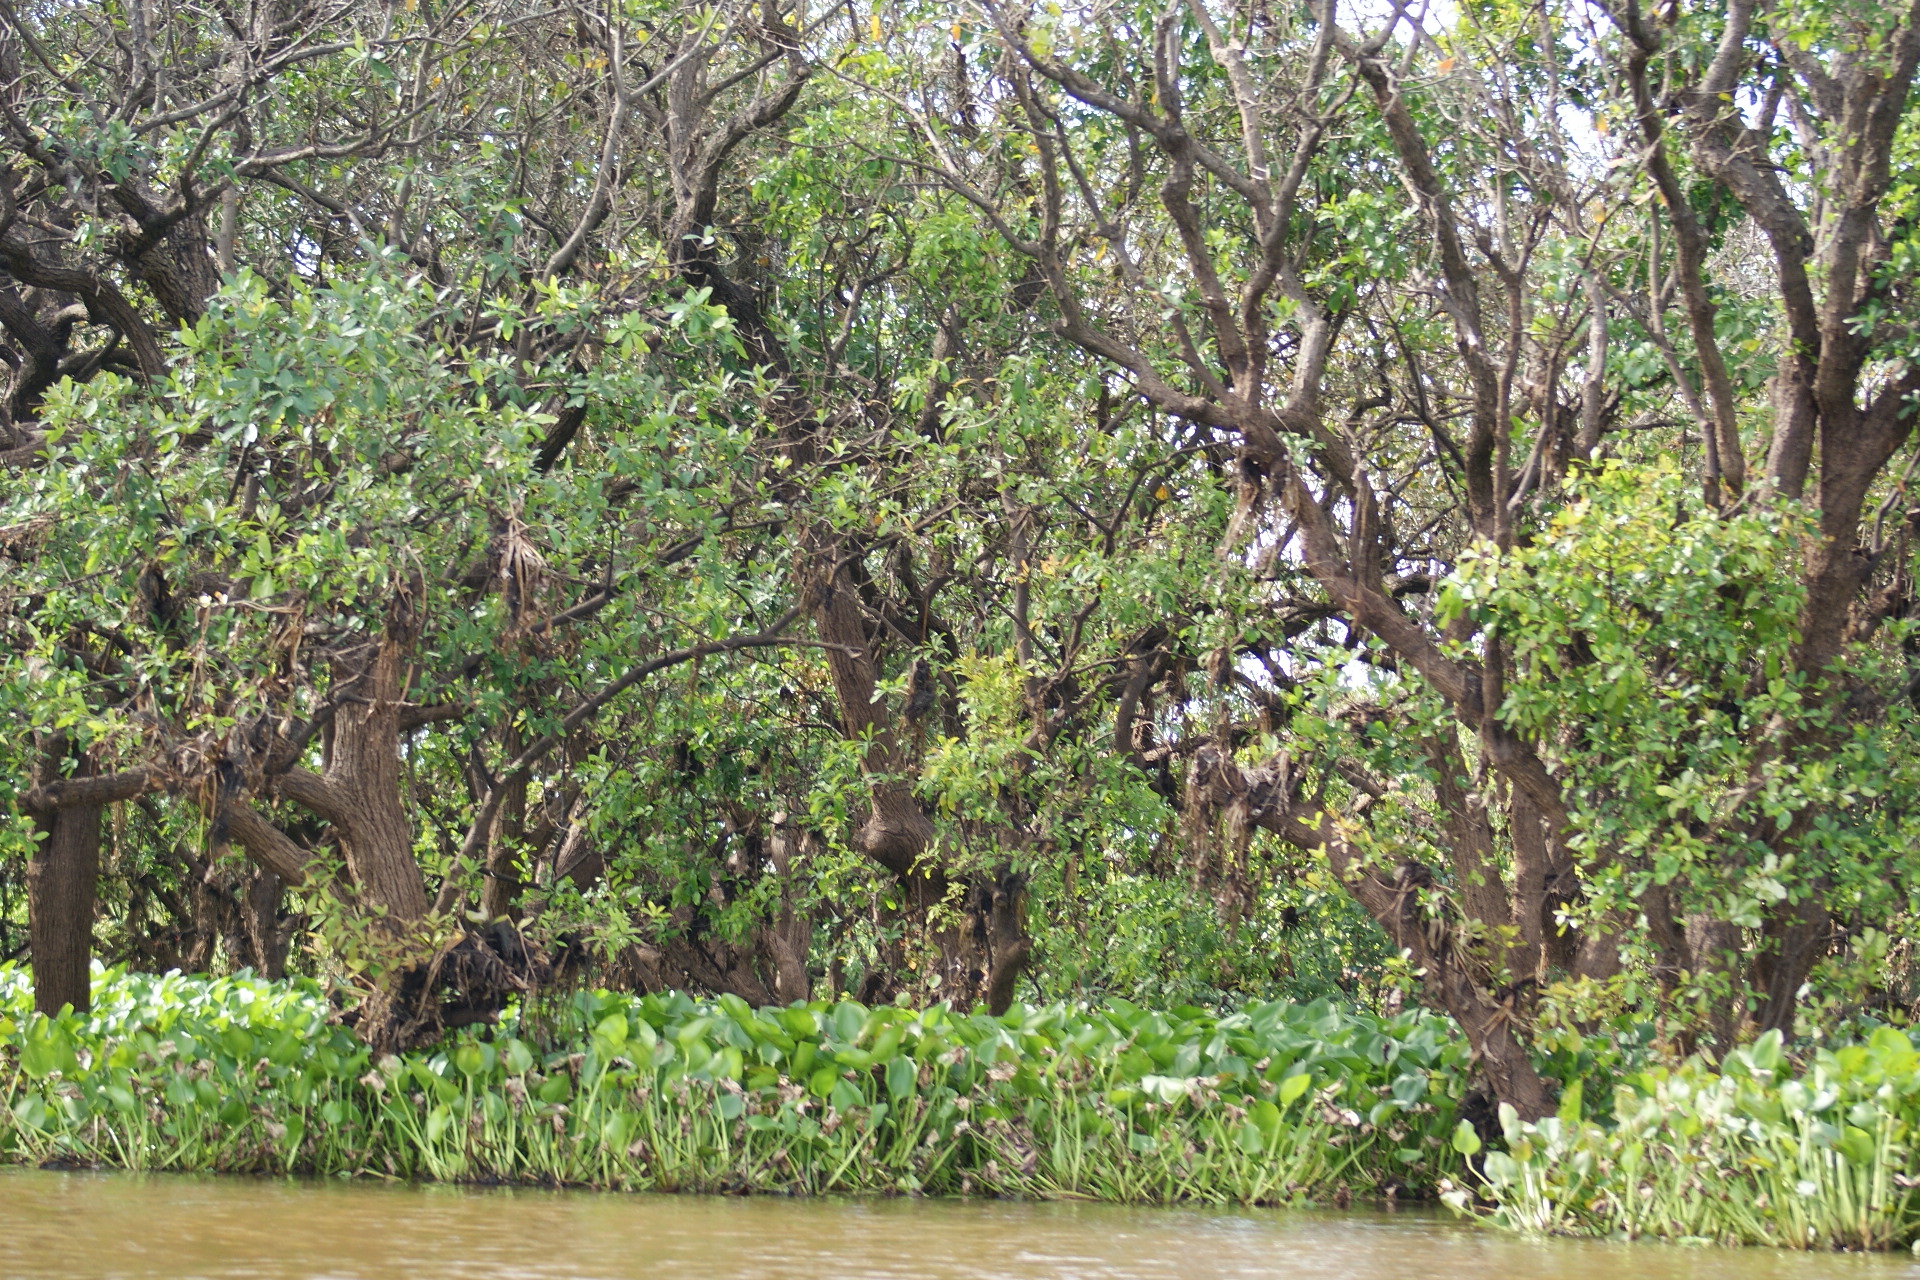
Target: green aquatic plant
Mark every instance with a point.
(1269, 1104)
(1274, 1103)
(1752, 1153)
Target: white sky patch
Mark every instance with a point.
(1368, 16)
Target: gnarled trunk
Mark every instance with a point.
(1455, 966)
(267, 936)
(1000, 904)
(787, 937)
(500, 885)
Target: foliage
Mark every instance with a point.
(1652, 643)
(1273, 1103)
(1298, 943)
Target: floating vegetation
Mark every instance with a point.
(1276, 1103)
(1271, 1104)
(1754, 1153)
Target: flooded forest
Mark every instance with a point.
(1223, 604)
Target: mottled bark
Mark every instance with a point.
(787, 938)
(268, 937)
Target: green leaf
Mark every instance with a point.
(37, 1058)
(612, 1029)
(31, 1112)
(1501, 1169)
(1857, 1145)
(900, 1078)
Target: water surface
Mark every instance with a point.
(79, 1226)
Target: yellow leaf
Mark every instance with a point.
(1163, 493)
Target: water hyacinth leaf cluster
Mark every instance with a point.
(1754, 1153)
(1275, 1103)
(1270, 1104)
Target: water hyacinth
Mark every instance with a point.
(1275, 1103)
(1754, 1153)
(1270, 1104)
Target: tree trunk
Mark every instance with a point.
(61, 882)
(267, 937)
(1395, 898)
(180, 268)
(500, 886)
(1003, 904)
(364, 777)
(1792, 940)
(1486, 1019)
(1716, 946)
(788, 936)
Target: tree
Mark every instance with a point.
(1386, 267)
(315, 530)
(1098, 477)
(307, 573)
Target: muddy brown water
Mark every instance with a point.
(68, 1226)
